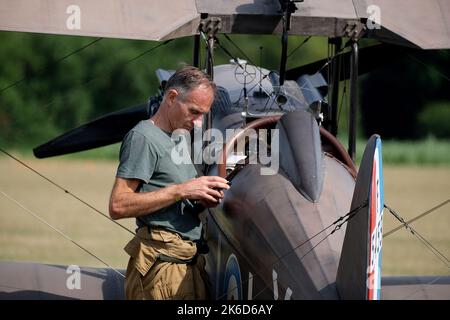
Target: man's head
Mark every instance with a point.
(188, 94)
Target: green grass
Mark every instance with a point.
(409, 190)
(110, 152)
(430, 151)
(427, 152)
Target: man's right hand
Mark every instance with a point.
(127, 202)
(208, 188)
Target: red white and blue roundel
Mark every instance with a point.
(376, 203)
(232, 282)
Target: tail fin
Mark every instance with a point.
(359, 271)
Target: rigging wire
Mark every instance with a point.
(55, 62)
(239, 49)
(330, 52)
(343, 219)
(227, 52)
(444, 52)
(404, 224)
(236, 60)
(60, 232)
(344, 95)
(123, 65)
(425, 242)
(417, 218)
(332, 58)
(147, 52)
(66, 191)
(349, 216)
(429, 67)
(298, 47)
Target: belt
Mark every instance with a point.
(191, 261)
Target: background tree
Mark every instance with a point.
(408, 99)
(45, 90)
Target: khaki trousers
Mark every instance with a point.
(149, 278)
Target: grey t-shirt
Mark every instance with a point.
(145, 154)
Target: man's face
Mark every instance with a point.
(186, 110)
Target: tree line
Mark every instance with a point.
(50, 84)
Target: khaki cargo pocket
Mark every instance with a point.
(163, 236)
(143, 254)
(152, 278)
(171, 282)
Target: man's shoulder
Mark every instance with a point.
(145, 129)
(151, 134)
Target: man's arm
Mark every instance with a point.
(126, 202)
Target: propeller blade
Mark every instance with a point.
(103, 131)
(370, 58)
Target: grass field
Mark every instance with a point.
(428, 151)
(410, 190)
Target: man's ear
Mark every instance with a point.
(171, 95)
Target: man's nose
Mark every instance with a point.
(198, 121)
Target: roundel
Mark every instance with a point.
(232, 284)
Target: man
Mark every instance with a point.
(164, 261)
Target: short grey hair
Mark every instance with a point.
(188, 78)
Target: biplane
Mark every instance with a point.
(307, 224)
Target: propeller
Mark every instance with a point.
(103, 131)
(112, 127)
(370, 58)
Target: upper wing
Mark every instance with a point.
(424, 24)
(126, 19)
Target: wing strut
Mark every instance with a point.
(288, 7)
(208, 28)
(335, 67)
(353, 100)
